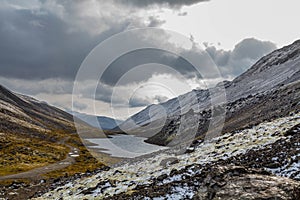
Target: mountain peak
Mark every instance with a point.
(3, 89)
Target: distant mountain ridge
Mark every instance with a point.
(106, 123)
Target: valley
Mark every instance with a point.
(255, 148)
(39, 143)
(149, 100)
(254, 156)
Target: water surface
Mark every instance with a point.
(125, 146)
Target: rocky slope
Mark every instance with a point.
(261, 162)
(258, 92)
(242, 113)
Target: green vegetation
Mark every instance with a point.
(21, 153)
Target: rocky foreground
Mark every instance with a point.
(261, 162)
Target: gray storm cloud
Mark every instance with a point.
(230, 63)
(48, 40)
(155, 57)
(168, 3)
(244, 54)
(52, 38)
(40, 43)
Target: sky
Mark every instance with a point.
(44, 44)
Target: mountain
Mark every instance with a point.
(22, 114)
(106, 123)
(35, 135)
(268, 85)
(25, 115)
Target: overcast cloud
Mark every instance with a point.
(245, 54)
(169, 3)
(43, 43)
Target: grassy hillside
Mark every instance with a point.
(35, 136)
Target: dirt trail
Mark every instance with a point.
(34, 173)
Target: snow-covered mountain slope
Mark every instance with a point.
(268, 75)
(237, 164)
(106, 123)
(242, 113)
